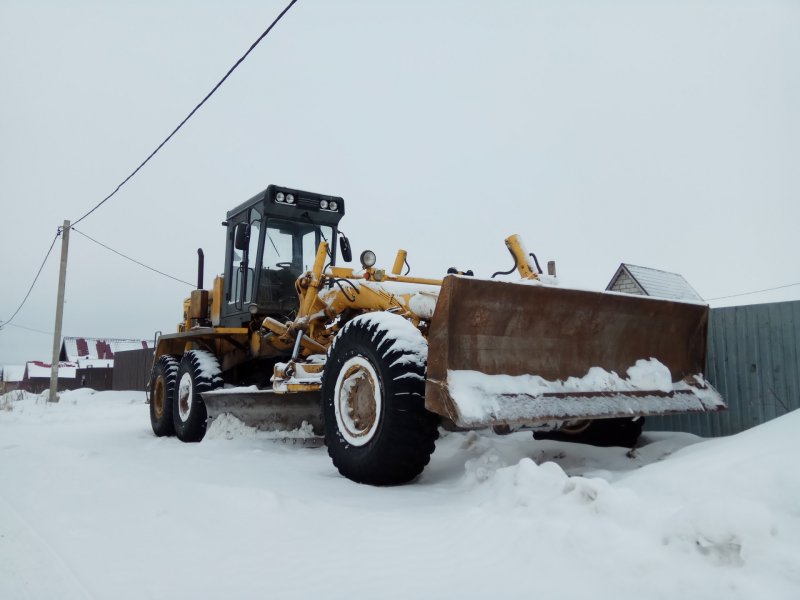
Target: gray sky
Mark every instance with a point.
(664, 134)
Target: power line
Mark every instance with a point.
(194, 110)
(143, 163)
(780, 287)
(35, 279)
(31, 329)
(141, 264)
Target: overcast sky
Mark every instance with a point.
(664, 134)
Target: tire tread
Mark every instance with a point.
(407, 433)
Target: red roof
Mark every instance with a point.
(73, 348)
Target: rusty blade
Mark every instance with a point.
(501, 328)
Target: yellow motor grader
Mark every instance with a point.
(375, 360)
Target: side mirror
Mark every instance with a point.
(344, 243)
(241, 236)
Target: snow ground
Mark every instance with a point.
(92, 505)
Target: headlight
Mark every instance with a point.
(290, 198)
(334, 205)
(368, 259)
(323, 204)
(253, 309)
(279, 197)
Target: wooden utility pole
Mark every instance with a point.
(62, 280)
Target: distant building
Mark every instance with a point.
(74, 348)
(630, 279)
(37, 376)
(95, 358)
(11, 377)
(83, 362)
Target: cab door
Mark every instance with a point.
(241, 267)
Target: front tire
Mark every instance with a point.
(199, 372)
(373, 391)
(162, 393)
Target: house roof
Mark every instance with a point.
(660, 284)
(13, 373)
(73, 348)
(40, 370)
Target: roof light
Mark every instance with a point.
(290, 198)
(323, 204)
(279, 197)
(333, 205)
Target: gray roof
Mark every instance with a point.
(660, 284)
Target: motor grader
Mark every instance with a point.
(376, 360)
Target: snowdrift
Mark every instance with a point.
(91, 498)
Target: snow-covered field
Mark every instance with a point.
(92, 505)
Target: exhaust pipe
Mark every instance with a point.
(200, 268)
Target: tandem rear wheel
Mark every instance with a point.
(162, 393)
(199, 372)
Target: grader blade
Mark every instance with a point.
(266, 409)
(525, 354)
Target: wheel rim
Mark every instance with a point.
(575, 427)
(158, 397)
(357, 401)
(185, 396)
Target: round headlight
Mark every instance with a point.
(323, 204)
(253, 308)
(279, 196)
(290, 198)
(368, 259)
(334, 205)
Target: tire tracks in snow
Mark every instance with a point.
(54, 577)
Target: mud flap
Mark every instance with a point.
(504, 353)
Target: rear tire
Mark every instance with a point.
(199, 372)
(162, 392)
(373, 391)
(599, 432)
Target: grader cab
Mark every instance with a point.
(375, 360)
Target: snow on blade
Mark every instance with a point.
(483, 398)
(227, 426)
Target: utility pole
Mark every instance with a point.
(62, 281)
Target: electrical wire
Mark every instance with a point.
(35, 279)
(194, 110)
(141, 264)
(31, 329)
(142, 164)
(780, 287)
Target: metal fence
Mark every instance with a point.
(132, 369)
(754, 362)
